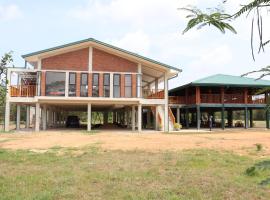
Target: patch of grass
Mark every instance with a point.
(6, 132)
(92, 173)
(258, 147)
(260, 169)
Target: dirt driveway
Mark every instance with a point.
(238, 141)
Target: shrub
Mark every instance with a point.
(258, 147)
(177, 126)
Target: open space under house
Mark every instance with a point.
(118, 89)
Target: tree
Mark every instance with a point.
(5, 62)
(217, 18)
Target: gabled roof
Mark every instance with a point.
(227, 80)
(103, 44)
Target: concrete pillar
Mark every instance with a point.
(133, 118)
(156, 85)
(198, 117)
(18, 119)
(27, 123)
(37, 117)
(89, 116)
(44, 118)
(139, 117)
(178, 115)
(7, 115)
(166, 110)
(156, 119)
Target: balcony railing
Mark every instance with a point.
(153, 94)
(23, 91)
(217, 98)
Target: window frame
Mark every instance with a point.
(130, 86)
(84, 85)
(46, 75)
(119, 86)
(93, 85)
(104, 85)
(69, 84)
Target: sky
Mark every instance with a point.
(152, 28)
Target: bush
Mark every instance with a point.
(177, 126)
(258, 147)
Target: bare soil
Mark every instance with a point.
(240, 141)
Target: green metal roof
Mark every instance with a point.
(104, 44)
(227, 80)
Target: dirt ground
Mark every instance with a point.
(240, 141)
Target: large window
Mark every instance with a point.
(95, 87)
(139, 85)
(84, 85)
(55, 83)
(72, 85)
(106, 85)
(128, 86)
(116, 85)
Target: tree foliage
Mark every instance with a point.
(5, 62)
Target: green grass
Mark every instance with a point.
(92, 173)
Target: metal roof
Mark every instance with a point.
(227, 80)
(104, 44)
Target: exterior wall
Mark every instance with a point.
(100, 85)
(43, 83)
(103, 61)
(78, 84)
(75, 60)
(89, 85)
(122, 87)
(134, 85)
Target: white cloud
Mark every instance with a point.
(9, 12)
(138, 42)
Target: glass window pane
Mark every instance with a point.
(127, 80)
(116, 79)
(95, 79)
(72, 78)
(55, 83)
(128, 92)
(106, 79)
(116, 92)
(84, 80)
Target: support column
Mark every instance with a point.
(44, 118)
(37, 117)
(198, 117)
(251, 118)
(139, 117)
(133, 118)
(89, 116)
(246, 118)
(7, 116)
(178, 115)
(223, 118)
(27, 123)
(157, 119)
(166, 113)
(18, 119)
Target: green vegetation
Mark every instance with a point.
(92, 173)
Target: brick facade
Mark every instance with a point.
(134, 85)
(103, 61)
(122, 87)
(89, 84)
(78, 84)
(100, 89)
(75, 60)
(43, 84)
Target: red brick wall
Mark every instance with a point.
(43, 83)
(122, 87)
(100, 85)
(89, 84)
(75, 60)
(103, 61)
(134, 85)
(78, 84)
